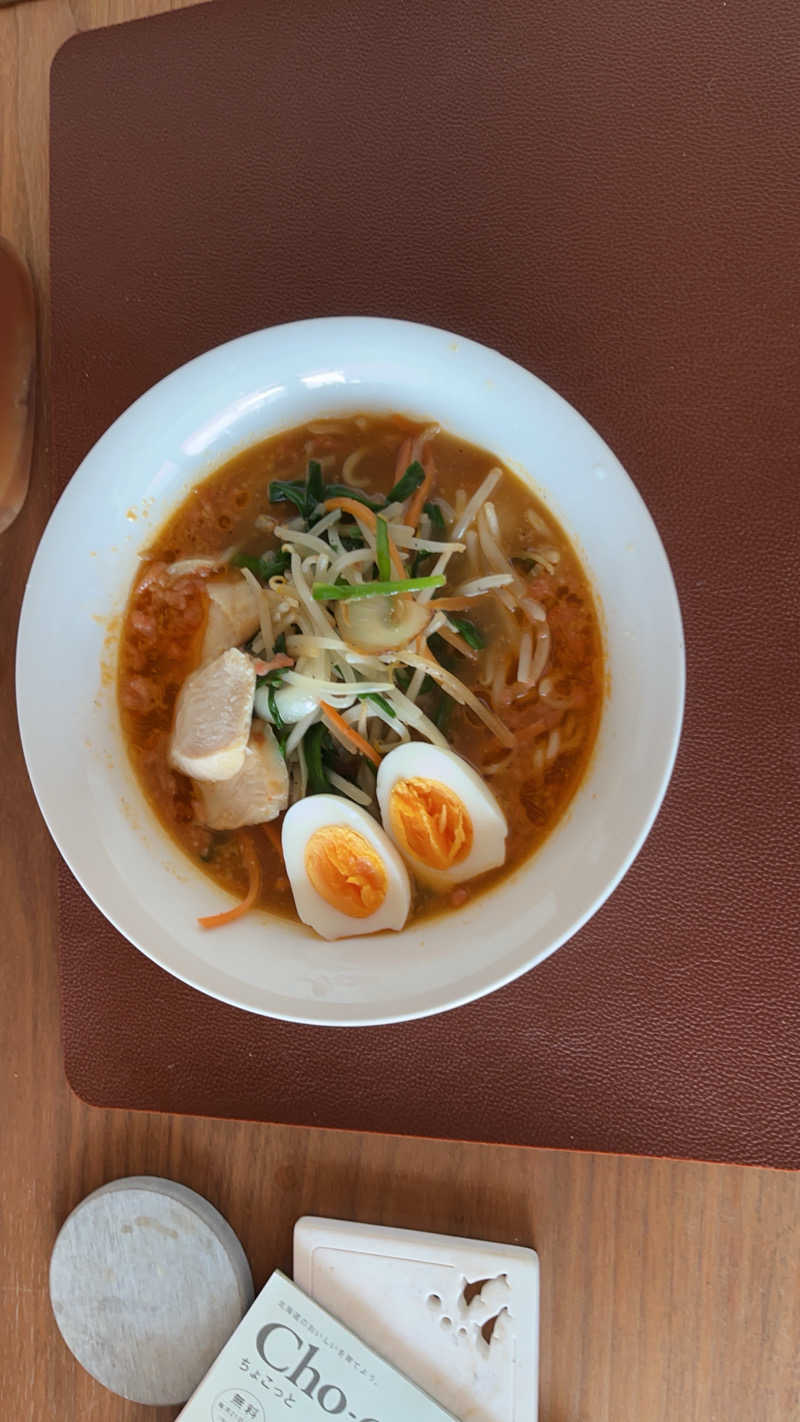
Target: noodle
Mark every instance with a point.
(524, 664)
(303, 540)
(521, 707)
(533, 609)
(349, 468)
(349, 789)
(261, 600)
(479, 497)
(460, 693)
(541, 653)
(299, 730)
(414, 717)
(494, 557)
(318, 618)
(477, 586)
(326, 523)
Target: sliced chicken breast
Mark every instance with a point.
(259, 791)
(213, 714)
(232, 616)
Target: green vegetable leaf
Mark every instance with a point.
(282, 491)
(436, 517)
(280, 643)
(264, 567)
(274, 563)
(315, 490)
(379, 701)
(382, 549)
(443, 652)
(329, 592)
(246, 560)
(472, 635)
(318, 782)
(403, 677)
(443, 712)
(405, 487)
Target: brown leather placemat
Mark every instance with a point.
(607, 193)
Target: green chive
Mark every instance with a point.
(379, 701)
(382, 549)
(405, 487)
(318, 782)
(280, 642)
(329, 592)
(472, 635)
(277, 719)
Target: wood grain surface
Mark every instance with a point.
(670, 1291)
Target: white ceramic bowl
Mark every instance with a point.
(140, 469)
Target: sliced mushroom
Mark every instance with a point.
(381, 624)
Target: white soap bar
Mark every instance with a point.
(459, 1316)
(290, 1359)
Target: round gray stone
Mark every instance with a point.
(147, 1283)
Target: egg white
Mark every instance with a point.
(489, 825)
(316, 812)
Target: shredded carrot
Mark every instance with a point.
(273, 834)
(456, 640)
(217, 920)
(452, 604)
(279, 660)
(349, 734)
(361, 513)
(414, 510)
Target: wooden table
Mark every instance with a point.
(670, 1291)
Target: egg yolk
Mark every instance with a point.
(346, 871)
(430, 820)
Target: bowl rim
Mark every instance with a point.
(328, 327)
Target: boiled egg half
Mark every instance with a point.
(346, 875)
(444, 820)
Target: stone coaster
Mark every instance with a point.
(147, 1283)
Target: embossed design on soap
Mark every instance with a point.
(481, 1315)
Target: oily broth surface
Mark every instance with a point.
(219, 515)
